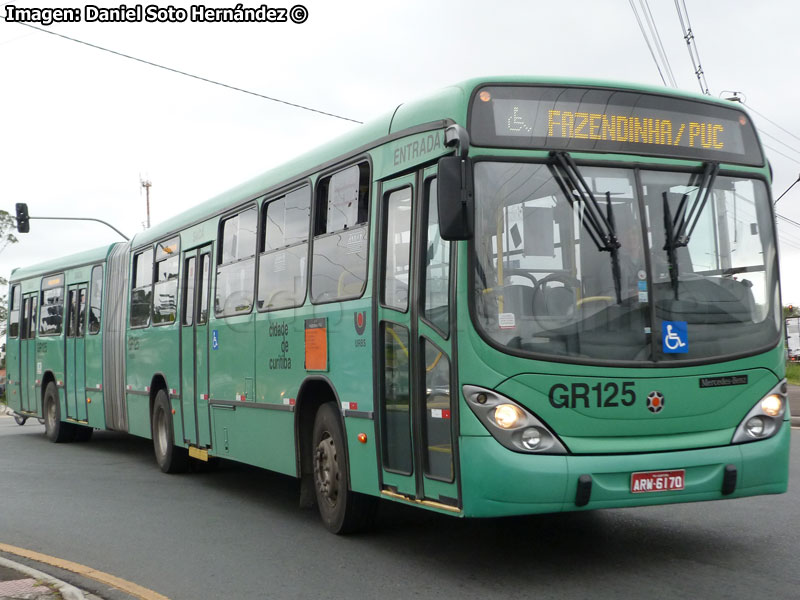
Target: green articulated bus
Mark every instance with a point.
(515, 296)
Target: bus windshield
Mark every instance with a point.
(622, 264)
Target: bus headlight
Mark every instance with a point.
(511, 424)
(772, 405)
(507, 416)
(765, 418)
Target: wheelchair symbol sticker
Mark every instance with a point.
(214, 340)
(674, 337)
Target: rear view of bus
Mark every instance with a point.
(621, 272)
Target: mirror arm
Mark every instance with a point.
(457, 136)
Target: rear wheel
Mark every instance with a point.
(170, 458)
(342, 510)
(54, 428)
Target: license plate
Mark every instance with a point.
(657, 481)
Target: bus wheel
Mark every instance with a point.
(342, 510)
(54, 428)
(170, 458)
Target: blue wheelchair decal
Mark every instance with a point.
(674, 337)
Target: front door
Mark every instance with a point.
(194, 344)
(75, 372)
(417, 410)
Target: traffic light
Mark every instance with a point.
(23, 225)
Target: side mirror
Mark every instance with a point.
(456, 198)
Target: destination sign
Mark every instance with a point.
(605, 120)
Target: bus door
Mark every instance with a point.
(417, 411)
(194, 346)
(13, 349)
(27, 352)
(75, 372)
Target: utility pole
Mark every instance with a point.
(146, 183)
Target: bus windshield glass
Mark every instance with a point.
(615, 264)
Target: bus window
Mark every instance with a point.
(71, 312)
(398, 249)
(205, 270)
(282, 268)
(339, 268)
(30, 329)
(142, 288)
(52, 312)
(13, 315)
(81, 312)
(188, 290)
(95, 300)
(236, 270)
(165, 293)
(436, 284)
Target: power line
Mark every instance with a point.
(225, 85)
(792, 148)
(776, 151)
(772, 122)
(691, 45)
(651, 23)
(647, 41)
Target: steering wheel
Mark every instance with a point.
(557, 302)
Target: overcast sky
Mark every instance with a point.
(79, 126)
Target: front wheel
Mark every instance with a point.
(170, 458)
(341, 509)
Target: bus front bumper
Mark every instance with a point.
(498, 482)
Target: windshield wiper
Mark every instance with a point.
(601, 229)
(678, 230)
(681, 219)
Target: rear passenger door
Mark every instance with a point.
(75, 372)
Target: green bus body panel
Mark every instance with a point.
(260, 437)
(689, 414)
(503, 483)
(150, 351)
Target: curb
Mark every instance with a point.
(5, 409)
(67, 591)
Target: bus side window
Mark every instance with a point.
(236, 264)
(436, 283)
(341, 239)
(13, 312)
(52, 313)
(142, 290)
(165, 292)
(95, 300)
(31, 328)
(282, 268)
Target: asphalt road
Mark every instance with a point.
(236, 533)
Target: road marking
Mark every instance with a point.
(126, 586)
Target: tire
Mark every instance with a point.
(83, 434)
(20, 419)
(170, 458)
(341, 509)
(55, 429)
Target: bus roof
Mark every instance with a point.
(63, 263)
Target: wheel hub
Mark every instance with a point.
(326, 470)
